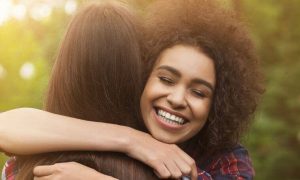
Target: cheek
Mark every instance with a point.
(147, 96)
(152, 90)
(201, 110)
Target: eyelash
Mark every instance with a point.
(169, 81)
(198, 93)
(166, 80)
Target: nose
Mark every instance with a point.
(177, 98)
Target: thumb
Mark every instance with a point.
(43, 170)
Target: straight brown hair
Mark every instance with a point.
(97, 74)
(96, 77)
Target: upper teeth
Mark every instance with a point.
(170, 117)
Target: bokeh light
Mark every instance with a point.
(2, 72)
(70, 6)
(35, 9)
(5, 10)
(27, 71)
(40, 11)
(19, 11)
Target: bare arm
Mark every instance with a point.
(29, 131)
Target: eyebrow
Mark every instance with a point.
(177, 73)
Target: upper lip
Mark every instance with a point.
(172, 112)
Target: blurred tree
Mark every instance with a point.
(28, 42)
(27, 51)
(274, 139)
(14, 52)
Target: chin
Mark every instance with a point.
(166, 139)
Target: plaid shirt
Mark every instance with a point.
(234, 165)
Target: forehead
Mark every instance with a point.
(189, 61)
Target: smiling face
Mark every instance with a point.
(177, 97)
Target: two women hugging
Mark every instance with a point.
(172, 90)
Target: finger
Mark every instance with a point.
(191, 170)
(162, 171)
(185, 156)
(187, 168)
(43, 170)
(194, 174)
(173, 169)
(183, 166)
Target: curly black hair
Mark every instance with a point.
(219, 33)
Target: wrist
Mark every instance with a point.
(117, 139)
(128, 141)
(134, 143)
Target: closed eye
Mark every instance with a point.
(166, 80)
(198, 93)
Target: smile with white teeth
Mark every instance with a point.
(170, 118)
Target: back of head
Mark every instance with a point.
(96, 76)
(98, 67)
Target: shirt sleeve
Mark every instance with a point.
(234, 165)
(9, 170)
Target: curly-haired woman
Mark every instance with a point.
(203, 85)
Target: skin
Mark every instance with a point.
(174, 87)
(179, 90)
(188, 93)
(63, 170)
(47, 133)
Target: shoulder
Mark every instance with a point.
(230, 164)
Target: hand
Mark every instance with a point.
(167, 160)
(68, 170)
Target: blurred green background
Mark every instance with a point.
(30, 32)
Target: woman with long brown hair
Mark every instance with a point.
(92, 79)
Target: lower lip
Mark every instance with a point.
(166, 125)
